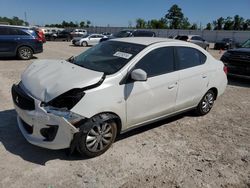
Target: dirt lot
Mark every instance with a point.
(184, 151)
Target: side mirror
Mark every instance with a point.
(139, 75)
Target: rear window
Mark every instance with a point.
(4, 31)
(183, 37)
(12, 31)
(197, 38)
(143, 34)
(189, 57)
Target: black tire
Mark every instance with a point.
(95, 141)
(84, 44)
(206, 103)
(25, 53)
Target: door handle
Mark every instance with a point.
(172, 86)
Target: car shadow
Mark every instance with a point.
(154, 125)
(15, 58)
(241, 82)
(14, 142)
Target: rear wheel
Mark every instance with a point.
(206, 103)
(25, 53)
(98, 139)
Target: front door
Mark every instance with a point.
(148, 100)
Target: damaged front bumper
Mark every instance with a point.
(44, 126)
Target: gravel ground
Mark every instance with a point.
(183, 151)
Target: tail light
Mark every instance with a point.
(225, 69)
(40, 35)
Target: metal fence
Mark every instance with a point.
(211, 36)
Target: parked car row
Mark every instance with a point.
(94, 39)
(196, 39)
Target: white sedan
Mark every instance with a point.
(86, 101)
(89, 40)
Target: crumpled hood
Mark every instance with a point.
(47, 79)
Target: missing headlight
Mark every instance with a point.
(67, 100)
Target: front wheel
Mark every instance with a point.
(98, 139)
(206, 103)
(84, 44)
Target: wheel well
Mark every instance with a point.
(84, 42)
(215, 92)
(24, 46)
(115, 117)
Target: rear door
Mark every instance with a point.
(155, 97)
(194, 77)
(93, 40)
(8, 41)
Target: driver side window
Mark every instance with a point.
(157, 62)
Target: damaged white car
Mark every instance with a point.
(84, 102)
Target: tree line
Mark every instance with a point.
(17, 21)
(65, 24)
(175, 19)
(13, 21)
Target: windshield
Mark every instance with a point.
(85, 36)
(246, 44)
(122, 34)
(108, 57)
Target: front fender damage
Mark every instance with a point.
(87, 125)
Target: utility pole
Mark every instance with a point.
(25, 18)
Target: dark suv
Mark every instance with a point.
(238, 60)
(64, 35)
(19, 41)
(130, 33)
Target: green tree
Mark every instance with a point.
(175, 17)
(238, 22)
(13, 21)
(194, 26)
(88, 23)
(185, 23)
(246, 24)
(218, 24)
(140, 23)
(157, 24)
(228, 23)
(209, 26)
(82, 24)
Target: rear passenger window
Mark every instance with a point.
(20, 32)
(197, 38)
(184, 38)
(189, 57)
(157, 62)
(4, 31)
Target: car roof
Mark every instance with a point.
(16, 26)
(146, 40)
